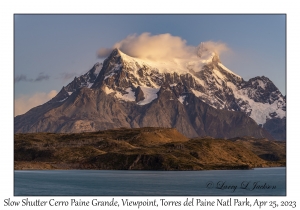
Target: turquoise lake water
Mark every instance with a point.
(259, 181)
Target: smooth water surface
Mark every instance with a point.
(260, 181)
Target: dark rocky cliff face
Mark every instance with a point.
(277, 128)
(139, 94)
(88, 110)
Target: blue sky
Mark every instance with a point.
(49, 50)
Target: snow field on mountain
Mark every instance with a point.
(126, 97)
(225, 68)
(150, 94)
(260, 111)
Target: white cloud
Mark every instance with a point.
(25, 102)
(160, 47)
(155, 47)
(165, 48)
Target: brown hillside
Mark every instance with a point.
(142, 149)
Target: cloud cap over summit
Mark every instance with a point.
(165, 47)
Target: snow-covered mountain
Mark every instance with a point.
(141, 81)
(215, 85)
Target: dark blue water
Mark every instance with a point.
(260, 181)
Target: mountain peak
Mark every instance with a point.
(116, 51)
(216, 58)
